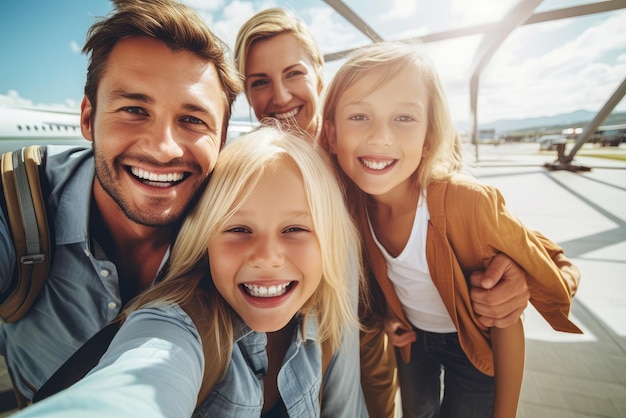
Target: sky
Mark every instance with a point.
(540, 70)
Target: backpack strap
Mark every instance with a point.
(26, 213)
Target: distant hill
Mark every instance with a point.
(578, 118)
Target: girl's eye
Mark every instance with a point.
(405, 118)
(294, 74)
(192, 120)
(295, 229)
(358, 117)
(238, 229)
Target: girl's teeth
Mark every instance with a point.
(266, 291)
(376, 165)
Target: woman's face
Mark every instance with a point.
(266, 262)
(281, 82)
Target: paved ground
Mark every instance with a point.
(568, 376)
(572, 376)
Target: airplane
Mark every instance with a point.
(22, 126)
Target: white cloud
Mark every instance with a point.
(579, 73)
(75, 47)
(471, 12)
(13, 99)
(210, 5)
(400, 9)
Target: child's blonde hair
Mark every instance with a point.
(442, 150)
(238, 171)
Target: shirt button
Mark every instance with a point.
(104, 273)
(112, 305)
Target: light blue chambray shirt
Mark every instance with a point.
(81, 294)
(154, 365)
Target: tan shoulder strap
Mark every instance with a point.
(26, 213)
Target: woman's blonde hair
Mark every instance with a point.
(237, 173)
(271, 22)
(441, 152)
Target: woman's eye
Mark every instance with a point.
(405, 118)
(258, 83)
(358, 117)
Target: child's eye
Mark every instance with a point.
(294, 74)
(405, 118)
(358, 117)
(192, 120)
(238, 229)
(295, 229)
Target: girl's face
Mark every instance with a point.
(378, 135)
(281, 82)
(266, 262)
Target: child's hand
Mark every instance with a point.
(500, 293)
(397, 334)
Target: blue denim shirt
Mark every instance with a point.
(81, 293)
(154, 365)
(240, 393)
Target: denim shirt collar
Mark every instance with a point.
(306, 329)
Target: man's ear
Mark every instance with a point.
(86, 119)
(330, 133)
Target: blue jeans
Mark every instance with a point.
(466, 392)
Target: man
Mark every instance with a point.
(157, 101)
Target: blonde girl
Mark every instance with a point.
(426, 228)
(255, 295)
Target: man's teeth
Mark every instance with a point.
(266, 291)
(376, 165)
(165, 178)
(286, 115)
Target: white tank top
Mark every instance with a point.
(411, 278)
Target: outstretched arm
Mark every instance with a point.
(500, 293)
(508, 357)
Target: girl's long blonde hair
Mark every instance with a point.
(239, 169)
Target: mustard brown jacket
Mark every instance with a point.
(469, 224)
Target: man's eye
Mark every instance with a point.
(134, 110)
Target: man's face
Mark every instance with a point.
(156, 130)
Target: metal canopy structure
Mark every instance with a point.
(521, 13)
